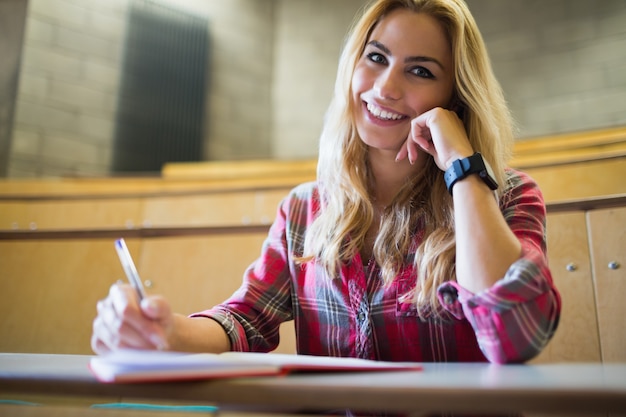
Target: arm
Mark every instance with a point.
(253, 314)
(517, 316)
(198, 335)
(486, 246)
(504, 286)
(122, 322)
(249, 320)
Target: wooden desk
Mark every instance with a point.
(471, 388)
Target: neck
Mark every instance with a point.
(389, 176)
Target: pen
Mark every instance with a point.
(129, 268)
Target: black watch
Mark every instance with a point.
(462, 168)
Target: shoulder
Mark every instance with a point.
(519, 181)
(517, 177)
(297, 210)
(303, 198)
(305, 190)
(521, 190)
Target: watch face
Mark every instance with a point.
(488, 176)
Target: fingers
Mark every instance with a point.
(438, 132)
(121, 323)
(411, 151)
(158, 310)
(418, 139)
(403, 152)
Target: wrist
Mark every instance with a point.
(456, 157)
(462, 168)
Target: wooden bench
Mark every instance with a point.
(194, 229)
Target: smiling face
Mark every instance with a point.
(405, 70)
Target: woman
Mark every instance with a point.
(416, 242)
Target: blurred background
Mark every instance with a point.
(119, 87)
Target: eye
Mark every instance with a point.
(376, 58)
(422, 72)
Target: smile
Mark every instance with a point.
(383, 114)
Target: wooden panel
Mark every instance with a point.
(70, 214)
(218, 209)
(570, 148)
(150, 186)
(49, 288)
(224, 170)
(581, 180)
(195, 273)
(608, 244)
(49, 291)
(576, 339)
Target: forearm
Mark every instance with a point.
(197, 334)
(485, 245)
(517, 316)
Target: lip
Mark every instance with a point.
(382, 122)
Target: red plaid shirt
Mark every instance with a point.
(357, 316)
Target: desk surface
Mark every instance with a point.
(454, 387)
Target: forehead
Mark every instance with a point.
(411, 33)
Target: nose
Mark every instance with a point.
(388, 85)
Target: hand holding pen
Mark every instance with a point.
(129, 319)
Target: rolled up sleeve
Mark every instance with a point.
(516, 317)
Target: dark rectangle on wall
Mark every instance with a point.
(161, 107)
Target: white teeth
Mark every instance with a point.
(382, 114)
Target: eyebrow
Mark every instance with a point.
(419, 58)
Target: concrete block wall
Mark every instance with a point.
(309, 37)
(562, 63)
(67, 91)
(70, 75)
(239, 105)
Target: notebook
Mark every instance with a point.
(126, 366)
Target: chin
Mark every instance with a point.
(382, 142)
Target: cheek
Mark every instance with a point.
(358, 84)
(429, 99)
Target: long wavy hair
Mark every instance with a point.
(423, 205)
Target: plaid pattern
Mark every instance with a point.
(357, 316)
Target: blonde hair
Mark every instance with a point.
(423, 205)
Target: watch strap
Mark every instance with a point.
(464, 167)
